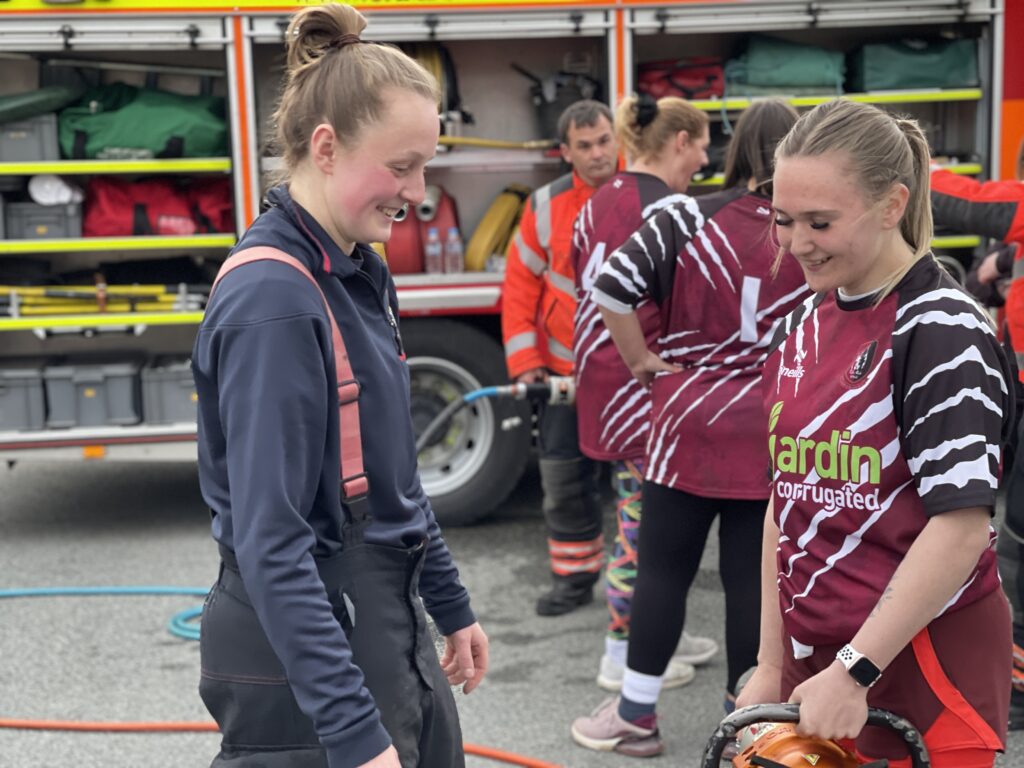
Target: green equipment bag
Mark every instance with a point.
(122, 122)
(915, 64)
(769, 63)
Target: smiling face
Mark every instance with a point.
(840, 239)
(592, 151)
(367, 180)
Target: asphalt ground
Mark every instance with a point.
(112, 658)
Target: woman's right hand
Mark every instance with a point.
(650, 364)
(386, 759)
(763, 687)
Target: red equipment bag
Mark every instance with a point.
(693, 77)
(211, 204)
(117, 208)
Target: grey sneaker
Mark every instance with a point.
(678, 674)
(605, 731)
(695, 650)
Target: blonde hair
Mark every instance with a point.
(334, 77)
(881, 150)
(645, 138)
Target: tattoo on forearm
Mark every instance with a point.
(886, 597)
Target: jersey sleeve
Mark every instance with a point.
(644, 265)
(953, 400)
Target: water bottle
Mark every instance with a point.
(453, 260)
(433, 253)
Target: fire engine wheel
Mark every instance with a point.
(471, 467)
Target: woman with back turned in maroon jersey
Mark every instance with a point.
(706, 264)
(887, 399)
(665, 142)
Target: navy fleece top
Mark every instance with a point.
(269, 454)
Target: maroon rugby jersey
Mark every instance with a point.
(706, 263)
(878, 417)
(613, 409)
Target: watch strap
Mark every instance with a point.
(864, 671)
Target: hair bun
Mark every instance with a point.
(646, 110)
(347, 39)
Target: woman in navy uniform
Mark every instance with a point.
(315, 648)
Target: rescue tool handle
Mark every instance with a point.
(730, 727)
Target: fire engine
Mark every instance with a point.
(92, 375)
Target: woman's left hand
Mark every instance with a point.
(465, 657)
(832, 705)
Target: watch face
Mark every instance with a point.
(864, 672)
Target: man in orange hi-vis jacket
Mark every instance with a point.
(996, 209)
(539, 301)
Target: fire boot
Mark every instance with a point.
(573, 513)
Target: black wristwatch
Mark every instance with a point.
(864, 671)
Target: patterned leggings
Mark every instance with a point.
(620, 575)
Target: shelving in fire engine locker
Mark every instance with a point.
(143, 54)
(483, 48)
(958, 121)
(179, 55)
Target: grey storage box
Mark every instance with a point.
(29, 221)
(21, 399)
(92, 395)
(169, 394)
(31, 140)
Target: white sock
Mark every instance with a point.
(615, 650)
(641, 688)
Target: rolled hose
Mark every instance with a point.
(790, 713)
(184, 618)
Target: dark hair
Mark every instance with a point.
(333, 76)
(664, 119)
(751, 152)
(585, 112)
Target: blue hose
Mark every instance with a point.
(476, 394)
(181, 624)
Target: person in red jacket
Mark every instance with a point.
(539, 302)
(996, 209)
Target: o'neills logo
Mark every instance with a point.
(797, 372)
(837, 458)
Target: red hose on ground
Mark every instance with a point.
(489, 753)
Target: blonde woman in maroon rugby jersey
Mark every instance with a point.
(887, 400)
(705, 265)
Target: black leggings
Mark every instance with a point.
(674, 526)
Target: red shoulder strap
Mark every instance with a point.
(355, 485)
